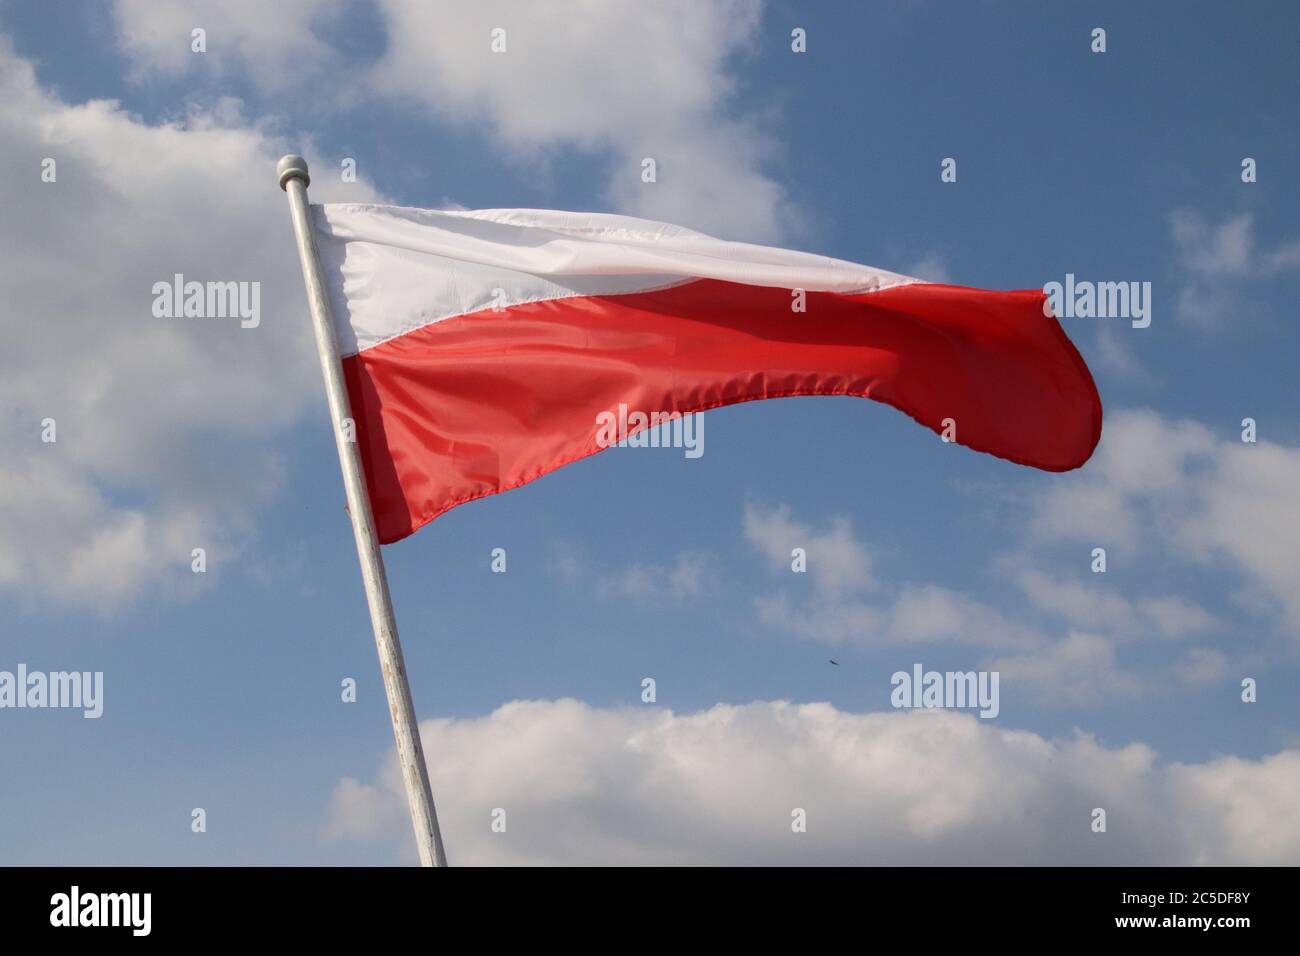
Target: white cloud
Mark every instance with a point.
(166, 428)
(1098, 607)
(618, 79)
(361, 810)
(841, 568)
(1116, 354)
(630, 79)
(687, 577)
(68, 541)
(834, 621)
(1244, 508)
(1243, 809)
(1217, 261)
(273, 43)
(931, 267)
(1223, 250)
(837, 562)
(1140, 469)
(1202, 665)
(919, 614)
(929, 613)
(1080, 664)
(1173, 491)
(1080, 669)
(583, 785)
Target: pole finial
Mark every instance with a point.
(290, 167)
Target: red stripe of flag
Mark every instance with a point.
(481, 403)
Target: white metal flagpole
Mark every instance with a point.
(292, 172)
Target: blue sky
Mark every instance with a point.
(222, 690)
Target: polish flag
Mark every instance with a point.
(480, 348)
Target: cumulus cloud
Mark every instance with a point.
(1079, 669)
(585, 785)
(1159, 490)
(916, 614)
(1092, 606)
(275, 44)
(837, 562)
(1140, 467)
(1172, 489)
(1223, 250)
(930, 613)
(166, 428)
(620, 79)
(629, 79)
(841, 570)
(834, 621)
(1062, 643)
(1216, 261)
(68, 541)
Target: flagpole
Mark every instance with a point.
(292, 173)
